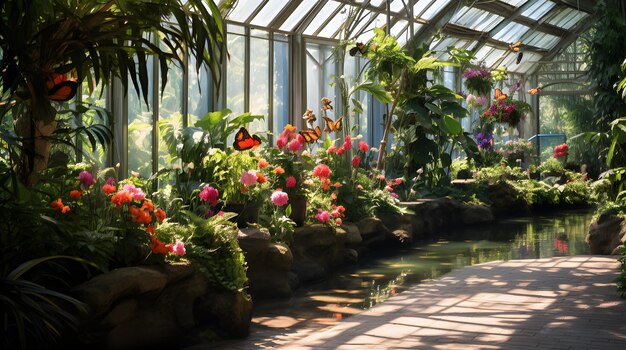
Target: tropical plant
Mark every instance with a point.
(60, 41)
(32, 314)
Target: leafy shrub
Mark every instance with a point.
(499, 173)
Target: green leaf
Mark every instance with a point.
(288, 210)
(451, 125)
(212, 119)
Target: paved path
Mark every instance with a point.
(556, 303)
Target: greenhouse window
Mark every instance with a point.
(538, 9)
(269, 12)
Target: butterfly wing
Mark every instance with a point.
(353, 51)
(63, 91)
(338, 123)
(311, 135)
(331, 125)
(499, 95)
(534, 91)
(515, 47)
(244, 141)
(520, 55)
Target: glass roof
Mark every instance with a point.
(487, 27)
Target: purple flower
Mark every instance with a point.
(86, 179)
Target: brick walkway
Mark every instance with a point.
(556, 303)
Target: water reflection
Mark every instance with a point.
(367, 284)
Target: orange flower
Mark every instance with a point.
(158, 247)
(260, 178)
(279, 170)
(337, 185)
(57, 204)
(150, 229)
(65, 209)
(263, 163)
(108, 189)
(326, 183)
(121, 197)
(140, 215)
(147, 205)
(338, 221)
(76, 194)
(333, 196)
(160, 214)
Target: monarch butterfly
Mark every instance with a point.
(309, 116)
(535, 91)
(499, 95)
(61, 88)
(519, 57)
(333, 126)
(360, 47)
(244, 141)
(311, 135)
(515, 47)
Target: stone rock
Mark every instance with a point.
(369, 227)
(606, 235)
(475, 214)
(316, 250)
(176, 271)
(137, 321)
(102, 291)
(403, 236)
(350, 255)
(268, 263)
(505, 199)
(353, 235)
(231, 312)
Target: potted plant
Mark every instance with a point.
(478, 80)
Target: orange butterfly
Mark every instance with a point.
(311, 135)
(515, 47)
(535, 91)
(499, 95)
(61, 88)
(333, 126)
(244, 141)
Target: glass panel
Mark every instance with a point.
(516, 3)
(235, 78)
(398, 27)
(511, 33)
(567, 18)
(431, 11)
(170, 108)
(542, 40)
(528, 63)
(397, 6)
(493, 57)
(200, 92)
(538, 9)
(368, 32)
(297, 15)
(271, 9)
(321, 17)
(404, 36)
(376, 3)
(482, 53)
(281, 86)
(476, 19)
(333, 26)
(259, 82)
(140, 120)
(320, 66)
(243, 9)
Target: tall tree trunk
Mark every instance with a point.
(36, 136)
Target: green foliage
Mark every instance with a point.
(551, 167)
(498, 173)
(605, 55)
(621, 279)
(212, 244)
(32, 314)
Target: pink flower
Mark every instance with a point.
(281, 142)
(388, 188)
(209, 194)
(381, 177)
(340, 150)
(248, 178)
(321, 171)
(86, 178)
(280, 198)
(136, 192)
(322, 215)
(179, 248)
(395, 195)
(359, 187)
(300, 139)
(347, 145)
(363, 146)
(291, 182)
(110, 181)
(331, 149)
(356, 161)
(295, 145)
(399, 181)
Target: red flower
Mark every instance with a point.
(150, 229)
(322, 171)
(58, 205)
(121, 198)
(108, 189)
(75, 194)
(159, 247)
(260, 178)
(356, 161)
(160, 214)
(363, 146)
